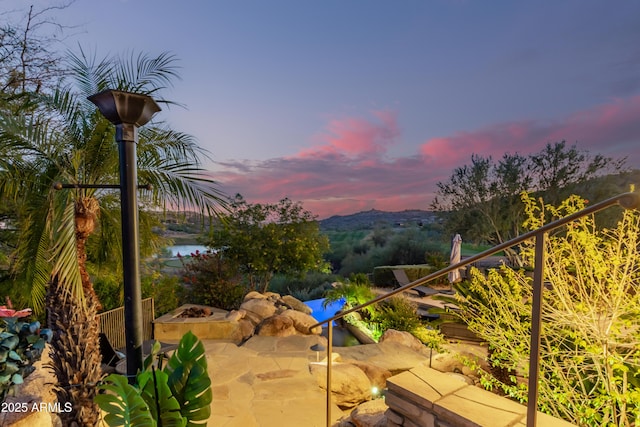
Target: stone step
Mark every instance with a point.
(426, 397)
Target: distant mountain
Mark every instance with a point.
(369, 219)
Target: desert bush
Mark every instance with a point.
(209, 279)
(166, 291)
(355, 291)
(590, 338)
(398, 313)
(431, 337)
(311, 285)
(109, 288)
(387, 247)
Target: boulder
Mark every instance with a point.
(296, 304)
(262, 307)
(281, 308)
(376, 374)
(389, 355)
(247, 328)
(370, 414)
(452, 359)
(447, 362)
(460, 377)
(273, 296)
(303, 322)
(252, 317)
(254, 295)
(349, 384)
(404, 338)
(276, 326)
(235, 315)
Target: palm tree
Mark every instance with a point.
(65, 139)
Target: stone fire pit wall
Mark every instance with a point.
(171, 327)
(267, 314)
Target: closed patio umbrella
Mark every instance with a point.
(456, 244)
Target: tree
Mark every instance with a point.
(264, 239)
(29, 63)
(557, 169)
(209, 278)
(66, 139)
(482, 201)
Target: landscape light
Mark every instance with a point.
(127, 111)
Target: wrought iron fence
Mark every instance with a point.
(112, 323)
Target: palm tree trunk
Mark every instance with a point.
(86, 214)
(75, 352)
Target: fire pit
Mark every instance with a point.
(195, 312)
(205, 322)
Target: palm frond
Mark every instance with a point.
(182, 186)
(89, 75)
(41, 274)
(159, 142)
(64, 253)
(144, 74)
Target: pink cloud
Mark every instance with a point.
(610, 129)
(348, 169)
(355, 137)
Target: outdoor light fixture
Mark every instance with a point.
(375, 391)
(128, 111)
(318, 348)
(125, 107)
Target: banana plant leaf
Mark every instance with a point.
(123, 404)
(155, 391)
(189, 381)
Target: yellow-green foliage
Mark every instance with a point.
(590, 344)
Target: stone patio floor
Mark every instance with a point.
(266, 383)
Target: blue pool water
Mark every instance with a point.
(320, 313)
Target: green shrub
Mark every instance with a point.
(430, 337)
(312, 285)
(209, 279)
(398, 313)
(110, 290)
(590, 337)
(166, 291)
(21, 345)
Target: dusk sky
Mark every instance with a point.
(349, 105)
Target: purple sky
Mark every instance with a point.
(353, 105)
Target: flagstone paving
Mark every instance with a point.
(266, 383)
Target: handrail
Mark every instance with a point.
(625, 200)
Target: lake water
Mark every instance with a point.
(185, 250)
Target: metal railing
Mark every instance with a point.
(626, 200)
(112, 323)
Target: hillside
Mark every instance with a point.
(369, 219)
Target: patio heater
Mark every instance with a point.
(128, 111)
